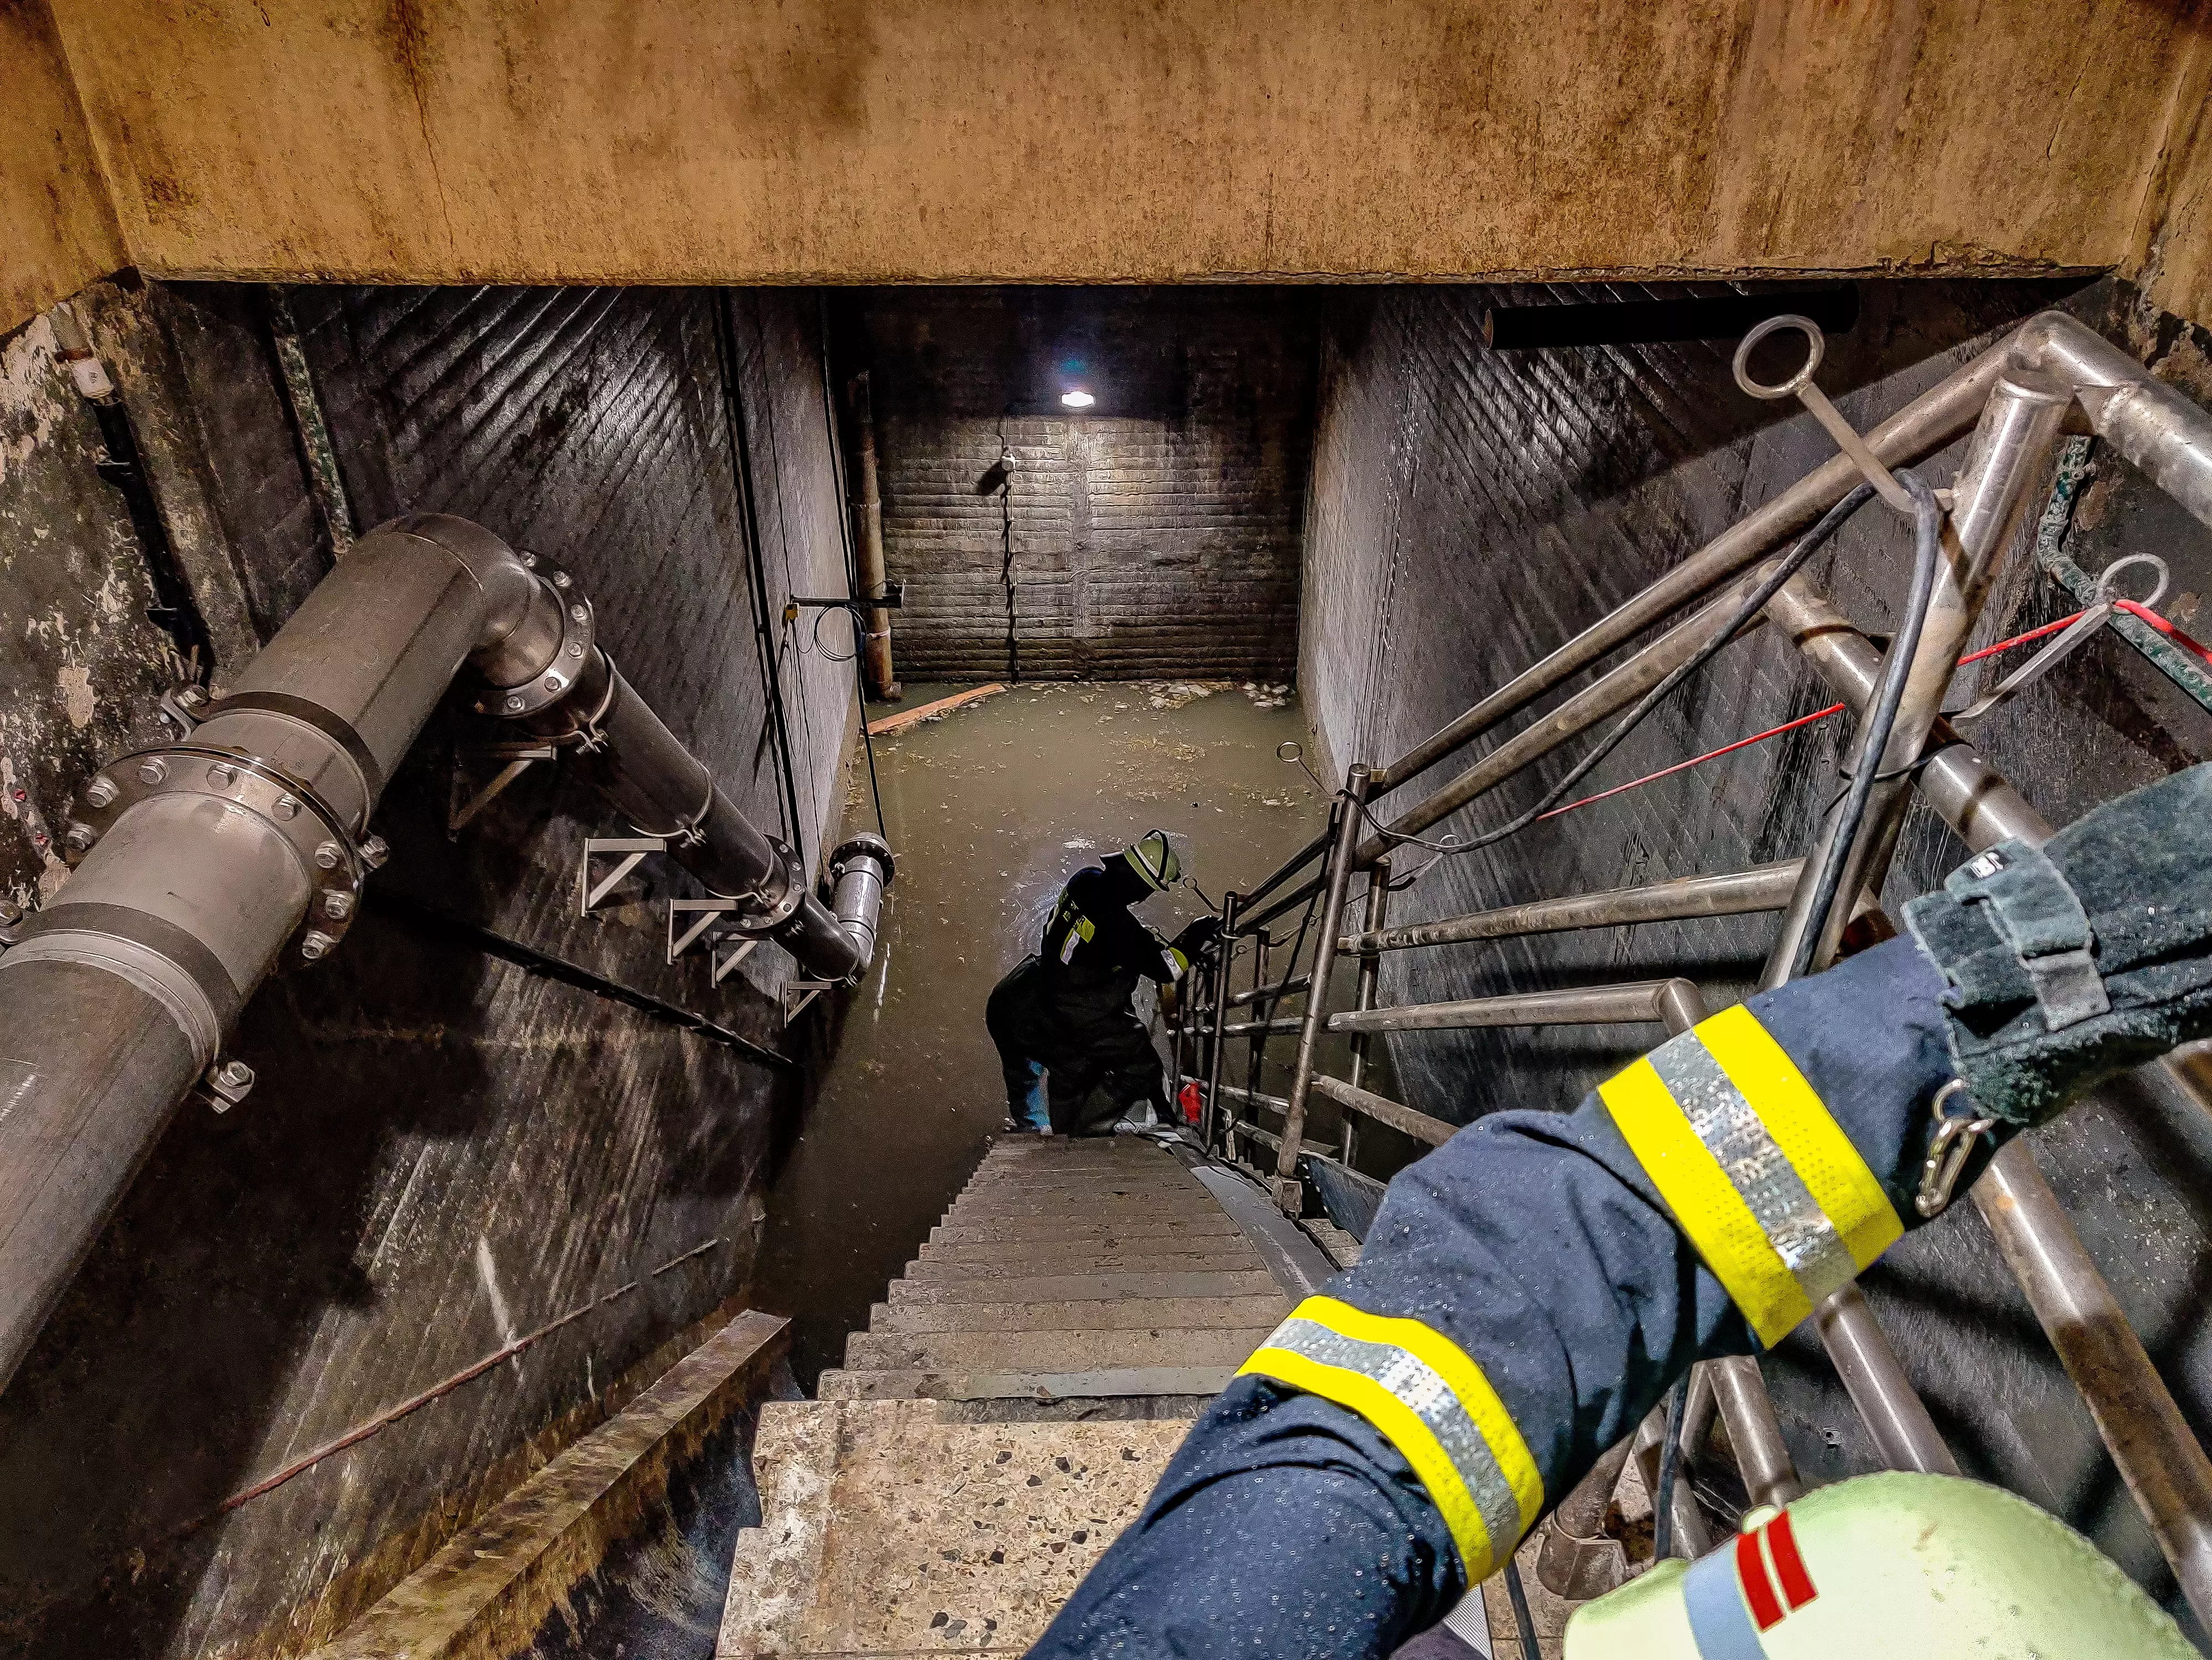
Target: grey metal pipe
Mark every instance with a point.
(859, 871)
(1761, 888)
(868, 516)
(1904, 1436)
(1754, 1433)
(2158, 1456)
(1611, 692)
(2155, 427)
(1383, 1110)
(201, 864)
(1938, 415)
(1290, 988)
(1585, 1006)
(1350, 811)
(2009, 462)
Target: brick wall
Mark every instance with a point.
(1155, 534)
(1473, 509)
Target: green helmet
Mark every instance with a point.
(1154, 859)
(1932, 1566)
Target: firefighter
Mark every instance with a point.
(1068, 1006)
(1528, 1292)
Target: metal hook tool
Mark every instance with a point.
(1799, 385)
(2100, 613)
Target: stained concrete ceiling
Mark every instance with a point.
(681, 140)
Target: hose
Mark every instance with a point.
(1882, 718)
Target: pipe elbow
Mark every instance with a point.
(521, 618)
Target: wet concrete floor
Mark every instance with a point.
(990, 809)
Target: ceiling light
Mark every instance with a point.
(1077, 398)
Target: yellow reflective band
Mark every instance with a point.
(1706, 1205)
(1432, 1403)
(1808, 1134)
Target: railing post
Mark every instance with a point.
(1225, 947)
(1337, 876)
(2009, 457)
(1370, 973)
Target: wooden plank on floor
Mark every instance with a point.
(905, 718)
(485, 1594)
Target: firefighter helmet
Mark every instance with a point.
(1153, 857)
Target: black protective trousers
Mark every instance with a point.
(1098, 1058)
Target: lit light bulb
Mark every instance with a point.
(1077, 398)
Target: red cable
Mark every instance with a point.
(2127, 606)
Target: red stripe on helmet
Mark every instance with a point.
(1758, 1590)
(1789, 1565)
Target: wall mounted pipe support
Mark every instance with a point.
(202, 865)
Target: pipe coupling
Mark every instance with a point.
(551, 663)
(335, 859)
(769, 909)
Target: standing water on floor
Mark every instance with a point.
(990, 808)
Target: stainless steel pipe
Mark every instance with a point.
(202, 864)
(1350, 813)
(1761, 888)
(1383, 1110)
(1584, 1005)
(1942, 413)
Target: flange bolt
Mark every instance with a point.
(286, 807)
(374, 851)
(337, 906)
(152, 771)
(317, 946)
(222, 776)
(102, 792)
(80, 838)
(328, 855)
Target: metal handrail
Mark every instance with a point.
(2171, 441)
(1290, 988)
(1585, 1006)
(1734, 893)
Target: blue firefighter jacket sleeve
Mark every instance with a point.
(1535, 1254)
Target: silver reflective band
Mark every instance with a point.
(1785, 1210)
(1417, 1387)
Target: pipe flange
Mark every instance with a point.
(757, 918)
(552, 683)
(335, 860)
(867, 845)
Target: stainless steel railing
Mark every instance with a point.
(2015, 398)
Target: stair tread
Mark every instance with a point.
(959, 1385)
(1052, 1351)
(1075, 1228)
(1041, 1265)
(1240, 1281)
(1099, 1313)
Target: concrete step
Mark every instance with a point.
(987, 1211)
(888, 1531)
(1042, 1387)
(1042, 1266)
(1055, 1227)
(1099, 1313)
(1051, 1351)
(1144, 1239)
(1241, 1280)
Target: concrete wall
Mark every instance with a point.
(695, 141)
(1155, 534)
(442, 1152)
(1473, 508)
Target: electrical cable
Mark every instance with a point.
(852, 566)
(1670, 1463)
(1524, 1622)
(1880, 719)
(733, 415)
(1753, 604)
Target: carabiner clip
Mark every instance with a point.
(1948, 1151)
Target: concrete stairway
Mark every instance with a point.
(1007, 1410)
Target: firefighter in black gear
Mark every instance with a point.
(1068, 1006)
(1529, 1291)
